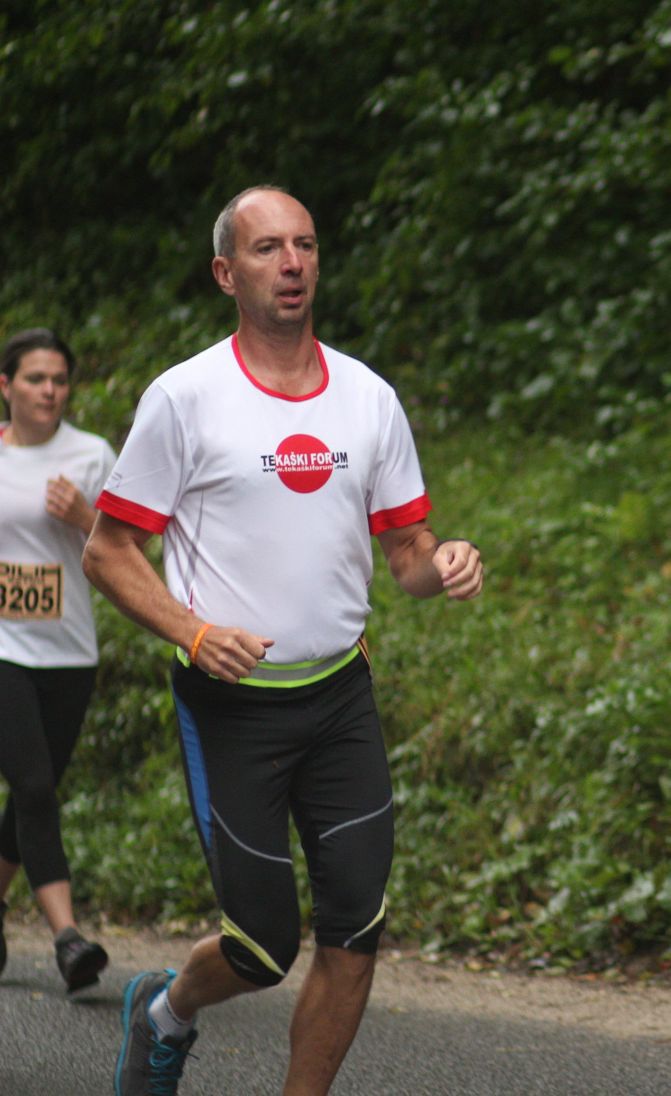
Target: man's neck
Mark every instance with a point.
(286, 362)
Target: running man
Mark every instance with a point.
(265, 463)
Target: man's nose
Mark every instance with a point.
(291, 258)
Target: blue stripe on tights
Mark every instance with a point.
(195, 766)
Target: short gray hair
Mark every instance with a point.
(223, 235)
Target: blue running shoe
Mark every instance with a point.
(147, 1065)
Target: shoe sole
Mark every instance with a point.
(85, 972)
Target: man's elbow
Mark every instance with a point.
(87, 563)
(92, 560)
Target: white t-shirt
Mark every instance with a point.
(45, 606)
(266, 502)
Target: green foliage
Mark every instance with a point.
(134, 851)
(534, 806)
(122, 156)
(492, 204)
(515, 246)
(491, 195)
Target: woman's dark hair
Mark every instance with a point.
(35, 338)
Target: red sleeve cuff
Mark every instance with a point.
(398, 516)
(132, 513)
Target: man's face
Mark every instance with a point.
(273, 274)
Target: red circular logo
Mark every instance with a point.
(303, 463)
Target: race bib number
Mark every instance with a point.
(31, 591)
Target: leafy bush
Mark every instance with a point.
(491, 195)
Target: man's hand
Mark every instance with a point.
(460, 568)
(231, 653)
(66, 502)
(423, 568)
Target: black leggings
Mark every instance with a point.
(253, 756)
(41, 715)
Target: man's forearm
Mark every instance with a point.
(126, 577)
(411, 564)
(425, 566)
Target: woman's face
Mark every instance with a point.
(38, 391)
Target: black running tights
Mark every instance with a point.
(41, 714)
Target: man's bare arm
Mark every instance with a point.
(115, 562)
(424, 566)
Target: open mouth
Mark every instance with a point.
(291, 295)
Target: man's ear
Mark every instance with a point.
(223, 275)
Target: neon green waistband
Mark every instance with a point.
(289, 675)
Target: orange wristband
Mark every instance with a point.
(195, 646)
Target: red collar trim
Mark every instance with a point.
(283, 395)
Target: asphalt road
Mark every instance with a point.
(52, 1046)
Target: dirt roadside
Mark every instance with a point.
(625, 1007)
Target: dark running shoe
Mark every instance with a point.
(3, 942)
(79, 961)
(147, 1064)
